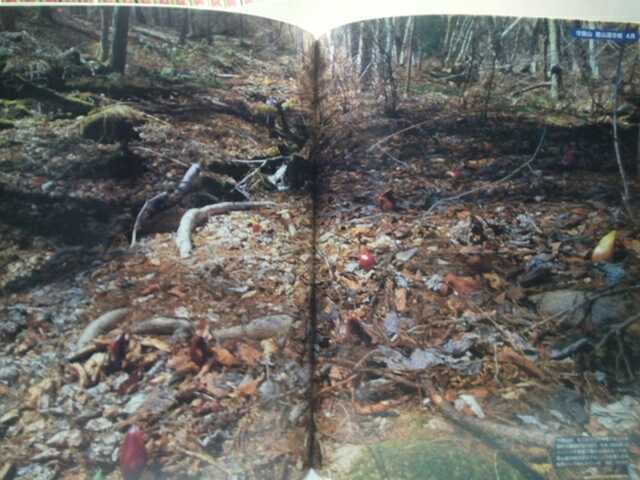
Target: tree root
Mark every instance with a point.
(197, 216)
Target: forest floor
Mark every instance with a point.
(485, 310)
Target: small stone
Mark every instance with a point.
(47, 186)
(406, 255)
(98, 425)
(134, 403)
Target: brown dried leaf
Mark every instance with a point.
(248, 389)
(462, 285)
(224, 357)
(495, 281)
(249, 355)
(156, 343)
(401, 299)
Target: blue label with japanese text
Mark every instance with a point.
(614, 35)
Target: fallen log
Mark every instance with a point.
(197, 216)
(100, 325)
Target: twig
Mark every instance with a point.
(617, 328)
(497, 182)
(399, 132)
(152, 203)
(517, 93)
(616, 139)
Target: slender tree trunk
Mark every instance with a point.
(554, 59)
(139, 15)
(209, 28)
(184, 28)
(105, 25)
(8, 17)
(46, 14)
(366, 66)
(533, 46)
(120, 38)
(155, 16)
(412, 39)
(408, 31)
(354, 43)
(593, 58)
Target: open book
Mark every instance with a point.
(340, 240)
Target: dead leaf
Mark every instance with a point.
(495, 281)
(269, 347)
(177, 292)
(462, 285)
(401, 299)
(249, 355)
(156, 343)
(248, 389)
(224, 357)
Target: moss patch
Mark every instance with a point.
(429, 460)
(111, 124)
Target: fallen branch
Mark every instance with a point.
(517, 93)
(162, 326)
(197, 216)
(257, 329)
(152, 205)
(101, 325)
(163, 200)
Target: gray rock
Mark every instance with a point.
(66, 438)
(134, 403)
(100, 424)
(9, 373)
(572, 308)
(406, 255)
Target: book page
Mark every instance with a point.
(367, 246)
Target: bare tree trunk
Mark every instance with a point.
(366, 55)
(209, 28)
(155, 16)
(554, 58)
(8, 18)
(408, 29)
(140, 18)
(533, 46)
(412, 39)
(105, 25)
(120, 38)
(593, 58)
(184, 28)
(46, 14)
(354, 42)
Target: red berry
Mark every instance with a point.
(118, 349)
(198, 351)
(367, 259)
(133, 454)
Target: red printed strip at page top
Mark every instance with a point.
(320, 16)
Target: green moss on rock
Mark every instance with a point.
(111, 124)
(428, 460)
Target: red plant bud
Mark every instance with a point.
(118, 349)
(386, 201)
(133, 454)
(457, 172)
(367, 259)
(198, 350)
(569, 159)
